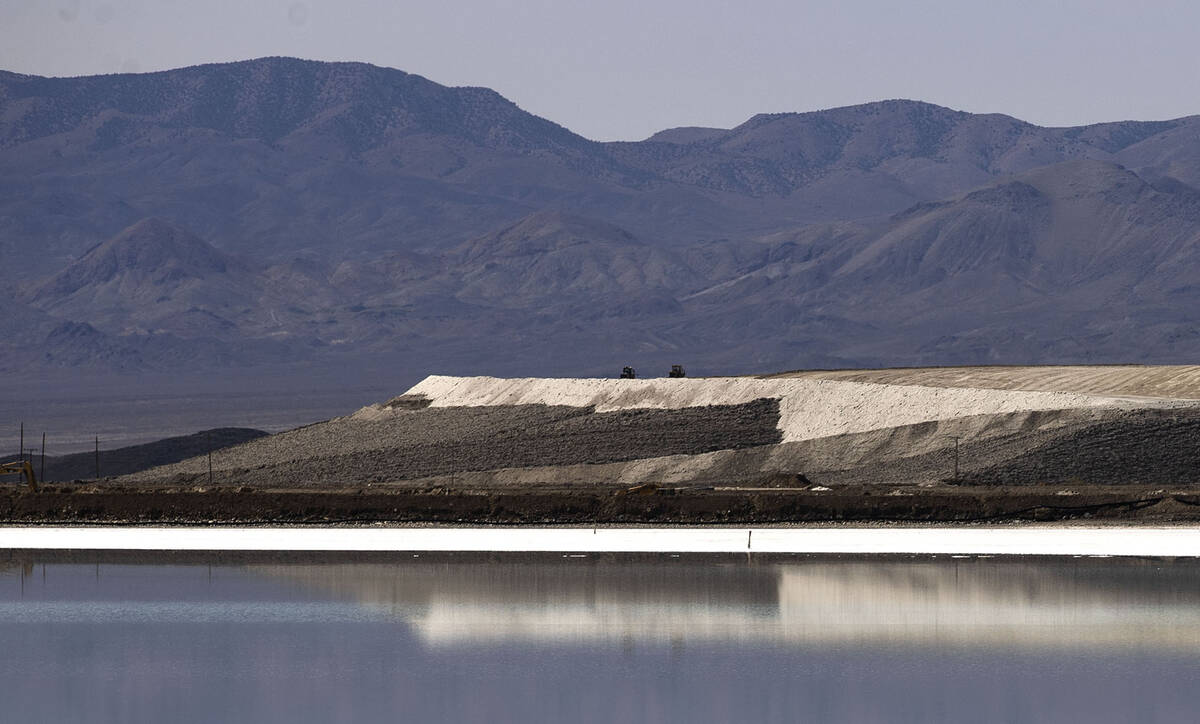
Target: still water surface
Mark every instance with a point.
(661, 639)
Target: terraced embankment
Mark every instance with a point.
(485, 432)
(791, 448)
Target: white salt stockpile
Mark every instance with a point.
(1177, 382)
(1181, 541)
(808, 408)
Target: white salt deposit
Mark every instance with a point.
(1034, 540)
(808, 408)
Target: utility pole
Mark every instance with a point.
(43, 474)
(97, 457)
(210, 468)
(22, 442)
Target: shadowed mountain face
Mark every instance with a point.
(1082, 260)
(550, 259)
(143, 274)
(281, 210)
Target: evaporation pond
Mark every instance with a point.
(472, 638)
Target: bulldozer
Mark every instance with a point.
(628, 373)
(20, 467)
(677, 371)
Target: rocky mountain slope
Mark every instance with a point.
(245, 214)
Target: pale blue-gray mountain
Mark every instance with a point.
(249, 214)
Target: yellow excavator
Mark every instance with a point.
(20, 467)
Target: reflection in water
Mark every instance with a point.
(457, 639)
(970, 602)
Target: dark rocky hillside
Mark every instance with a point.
(135, 458)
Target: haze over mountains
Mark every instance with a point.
(246, 215)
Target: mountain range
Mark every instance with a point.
(326, 215)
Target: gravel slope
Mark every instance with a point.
(440, 441)
(1153, 447)
(1096, 446)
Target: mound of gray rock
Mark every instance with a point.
(441, 441)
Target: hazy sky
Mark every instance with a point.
(622, 69)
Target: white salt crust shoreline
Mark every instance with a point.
(1181, 541)
(808, 408)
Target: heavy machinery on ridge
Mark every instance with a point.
(23, 468)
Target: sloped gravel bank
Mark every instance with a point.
(1151, 447)
(441, 441)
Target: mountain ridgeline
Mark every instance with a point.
(243, 215)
